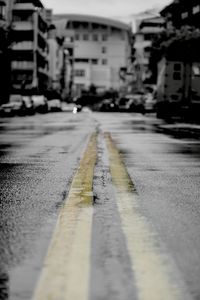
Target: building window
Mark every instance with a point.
(23, 18)
(177, 67)
(196, 70)
(95, 37)
(95, 26)
(85, 37)
(84, 25)
(103, 50)
(94, 61)
(77, 37)
(79, 73)
(104, 37)
(148, 36)
(104, 61)
(81, 60)
(147, 52)
(196, 9)
(123, 35)
(79, 87)
(75, 25)
(177, 76)
(184, 15)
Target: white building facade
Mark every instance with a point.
(101, 48)
(29, 63)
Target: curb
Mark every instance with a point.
(178, 130)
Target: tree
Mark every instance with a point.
(170, 43)
(92, 89)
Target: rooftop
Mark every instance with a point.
(91, 19)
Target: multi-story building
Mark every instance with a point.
(182, 12)
(102, 47)
(147, 30)
(29, 48)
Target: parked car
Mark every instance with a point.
(108, 105)
(122, 104)
(40, 103)
(29, 105)
(6, 110)
(150, 102)
(71, 107)
(15, 106)
(54, 105)
(132, 103)
(136, 102)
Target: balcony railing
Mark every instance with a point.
(23, 26)
(24, 6)
(25, 45)
(22, 65)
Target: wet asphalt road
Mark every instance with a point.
(39, 156)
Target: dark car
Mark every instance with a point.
(136, 103)
(40, 103)
(29, 105)
(15, 107)
(150, 102)
(6, 110)
(54, 105)
(108, 105)
(132, 103)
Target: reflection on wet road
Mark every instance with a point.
(39, 157)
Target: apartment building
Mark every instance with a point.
(148, 29)
(29, 49)
(182, 12)
(101, 48)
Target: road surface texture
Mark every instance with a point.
(98, 206)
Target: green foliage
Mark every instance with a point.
(177, 44)
(174, 41)
(6, 38)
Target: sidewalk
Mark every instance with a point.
(181, 129)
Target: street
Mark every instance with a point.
(98, 206)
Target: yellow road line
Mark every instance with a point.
(65, 275)
(155, 274)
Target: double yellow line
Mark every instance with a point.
(65, 274)
(66, 271)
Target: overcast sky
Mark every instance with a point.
(107, 8)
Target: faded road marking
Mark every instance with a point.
(65, 274)
(156, 275)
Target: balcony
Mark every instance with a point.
(23, 46)
(24, 6)
(23, 26)
(22, 65)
